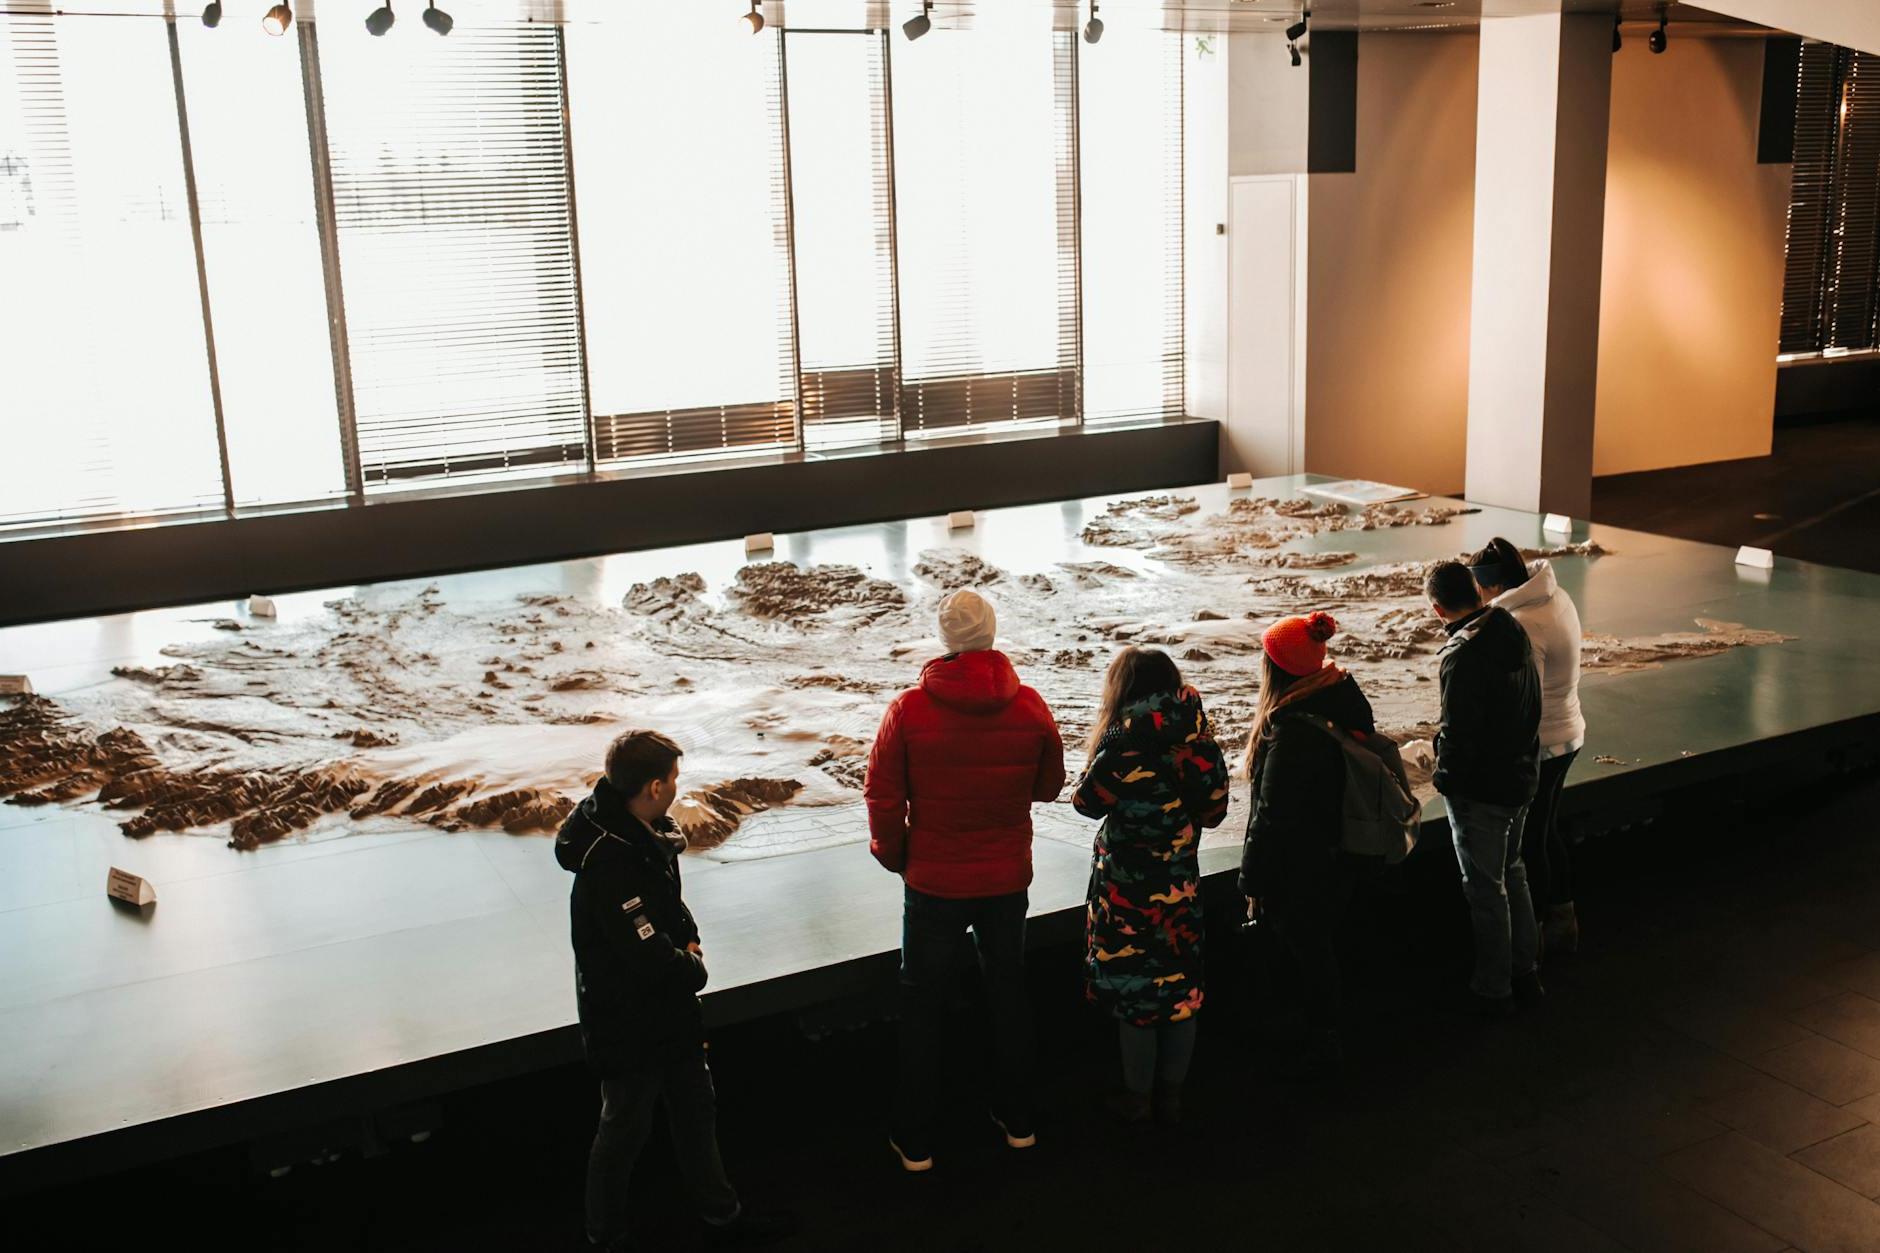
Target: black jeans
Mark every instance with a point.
(931, 927)
(627, 1118)
(1306, 919)
(1543, 848)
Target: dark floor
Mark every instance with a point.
(1817, 497)
(1704, 1075)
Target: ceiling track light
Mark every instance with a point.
(1292, 50)
(1093, 29)
(1617, 39)
(1657, 42)
(434, 19)
(1297, 30)
(279, 20)
(380, 19)
(212, 14)
(915, 27)
(754, 19)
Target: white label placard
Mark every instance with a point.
(261, 606)
(129, 888)
(15, 685)
(762, 542)
(1239, 482)
(1755, 558)
(1557, 523)
(960, 520)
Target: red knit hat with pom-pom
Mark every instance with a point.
(1297, 645)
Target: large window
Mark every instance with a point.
(245, 271)
(684, 255)
(1831, 291)
(105, 406)
(261, 249)
(985, 196)
(456, 252)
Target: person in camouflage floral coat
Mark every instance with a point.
(1156, 778)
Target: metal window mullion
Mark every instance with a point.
(202, 266)
(1077, 223)
(574, 248)
(315, 96)
(789, 232)
(894, 230)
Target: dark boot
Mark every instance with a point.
(1129, 1107)
(1168, 1103)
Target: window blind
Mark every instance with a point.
(842, 224)
(986, 220)
(105, 409)
(678, 173)
(451, 206)
(261, 251)
(1130, 162)
(1831, 284)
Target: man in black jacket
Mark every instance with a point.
(1487, 756)
(638, 971)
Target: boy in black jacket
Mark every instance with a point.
(638, 971)
(1487, 756)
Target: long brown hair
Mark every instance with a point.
(1273, 685)
(1134, 674)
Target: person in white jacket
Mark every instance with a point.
(1547, 614)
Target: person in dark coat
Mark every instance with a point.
(1487, 766)
(639, 967)
(1297, 880)
(1156, 778)
(955, 768)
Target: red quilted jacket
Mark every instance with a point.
(955, 768)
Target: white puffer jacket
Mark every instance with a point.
(1552, 624)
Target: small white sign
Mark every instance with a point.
(129, 888)
(1239, 482)
(15, 685)
(1557, 524)
(960, 520)
(1755, 558)
(261, 607)
(762, 542)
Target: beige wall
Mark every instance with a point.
(1387, 341)
(1691, 286)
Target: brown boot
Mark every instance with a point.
(1168, 1103)
(1561, 931)
(1129, 1107)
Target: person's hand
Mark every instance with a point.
(694, 948)
(1253, 908)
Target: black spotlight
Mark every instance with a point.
(915, 27)
(1297, 30)
(1292, 50)
(1093, 29)
(1616, 40)
(435, 18)
(278, 20)
(380, 19)
(212, 15)
(1657, 40)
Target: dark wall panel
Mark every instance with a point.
(1775, 125)
(108, 571)
(1332, 116)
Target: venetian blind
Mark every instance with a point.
(986, 221)
(451, 203)
(105, 407)
(678, 158)
(1130, 163)
(1831, 287)
(843, 227)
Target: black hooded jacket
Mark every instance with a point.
(1489, 747)
(1299, 795)
(635, 981)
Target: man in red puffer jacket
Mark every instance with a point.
(955, 768)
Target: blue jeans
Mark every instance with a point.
(931, 929)
(1494, 878)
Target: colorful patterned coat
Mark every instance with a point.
(1157, 774)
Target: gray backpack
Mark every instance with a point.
(1382, 815)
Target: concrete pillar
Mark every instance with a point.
(1540, 186)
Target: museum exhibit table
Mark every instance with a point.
(365, 953)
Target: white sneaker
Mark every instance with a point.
(1016, 1137)
(911, 1163)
